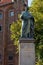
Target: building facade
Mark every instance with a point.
(9, 10)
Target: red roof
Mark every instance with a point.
(5, 1)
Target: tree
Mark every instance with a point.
(37, 11)
(15, 33)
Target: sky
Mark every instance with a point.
(29, 2)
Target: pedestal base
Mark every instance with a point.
(27, 52)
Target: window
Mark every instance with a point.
(10, 57)
(11, 13)
(0, 15)
(0, 28)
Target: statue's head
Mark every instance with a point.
(26, 6)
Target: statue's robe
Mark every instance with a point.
(26, 24)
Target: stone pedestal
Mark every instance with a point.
(27, 52)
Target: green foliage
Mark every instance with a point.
(15, 33)
(37, 11)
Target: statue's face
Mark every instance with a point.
(25, 6)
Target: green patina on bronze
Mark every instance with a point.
(27, 24)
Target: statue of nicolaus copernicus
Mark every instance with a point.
(27, 24)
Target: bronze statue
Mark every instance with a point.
(27, 24)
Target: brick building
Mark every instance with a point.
(9, 10)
